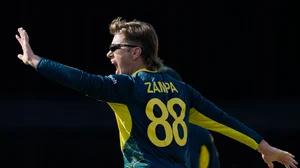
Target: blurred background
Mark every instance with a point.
(242, 55)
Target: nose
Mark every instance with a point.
(109, 54)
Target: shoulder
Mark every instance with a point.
(115, 78)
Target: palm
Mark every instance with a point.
(23, 39)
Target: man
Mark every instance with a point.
(151, 108)
(203, 150)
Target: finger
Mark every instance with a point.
(20, 56)
(288, 153)
(26, 36)
(291, 155)
(293, 165)
(18, 38)
(20, 31)
(270, 164)
(288, 159)
(294, 162)
(287, 166)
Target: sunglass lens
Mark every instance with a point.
(113, 48)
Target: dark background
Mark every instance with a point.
(242, 55)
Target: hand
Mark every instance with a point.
(28, 57)
(271, 154)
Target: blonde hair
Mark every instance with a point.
(141, 34)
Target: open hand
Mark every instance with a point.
(283, 157)
(28, 57)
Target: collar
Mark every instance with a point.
(142, 70)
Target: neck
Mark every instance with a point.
(137, 67)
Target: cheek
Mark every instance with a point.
(124, 60)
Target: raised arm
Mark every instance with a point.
(113, 88)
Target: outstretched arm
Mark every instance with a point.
(207, 115)
(107, 88)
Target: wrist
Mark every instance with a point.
(263, 147)
(34, 61)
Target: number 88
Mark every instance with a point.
(170, 131)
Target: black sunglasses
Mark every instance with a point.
(114, 47)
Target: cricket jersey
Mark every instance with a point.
(152, 111)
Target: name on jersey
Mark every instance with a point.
(160, 87)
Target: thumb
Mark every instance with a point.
(271, 165)
(20, 56)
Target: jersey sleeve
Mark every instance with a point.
(206, 114)
(112, 88)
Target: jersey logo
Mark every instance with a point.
(114, 80)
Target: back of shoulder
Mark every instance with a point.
(158, 84)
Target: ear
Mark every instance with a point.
(136, 52)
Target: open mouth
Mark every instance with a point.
(116, 66)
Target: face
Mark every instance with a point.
(121, 55)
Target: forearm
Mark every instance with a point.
(211, 117)
(70, 77)
(227, 126)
